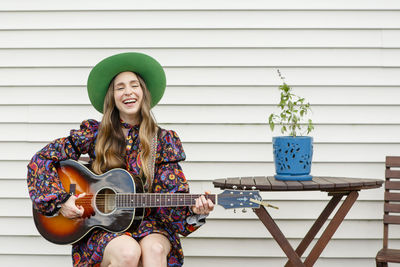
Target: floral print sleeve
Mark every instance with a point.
(169, 178)
(45, 188)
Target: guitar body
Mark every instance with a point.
(99, 204)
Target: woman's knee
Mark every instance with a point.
(157, 249)
(157, 246)
(122, 251)
(128, 256)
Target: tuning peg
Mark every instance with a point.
(253, 188)
(244, 187)
(234, 187)
(244, 210)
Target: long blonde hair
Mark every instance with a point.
(111, 142)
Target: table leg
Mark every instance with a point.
(331, 228)
(309, 237)
(276, 233)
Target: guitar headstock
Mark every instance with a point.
(233, 199)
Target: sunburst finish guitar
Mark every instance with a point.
(114, 201)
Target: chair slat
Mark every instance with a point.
(392, 161)
(392, 196)
(388, 255)
(392, 185)
(392, 207)
(391, 219)
(392, 174)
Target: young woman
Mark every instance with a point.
(124, 87)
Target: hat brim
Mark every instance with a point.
(147, 67)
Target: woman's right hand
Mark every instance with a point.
(70, 210)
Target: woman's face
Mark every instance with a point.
(128, 96)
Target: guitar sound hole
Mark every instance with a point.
(105, 200)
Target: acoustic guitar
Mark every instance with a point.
(114, 201)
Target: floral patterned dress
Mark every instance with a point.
(47, 192)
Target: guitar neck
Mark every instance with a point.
(151, 200)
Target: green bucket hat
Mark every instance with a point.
(147, 67)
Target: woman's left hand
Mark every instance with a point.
(203, 205)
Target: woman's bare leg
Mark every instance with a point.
(122, 251)
(155, 248)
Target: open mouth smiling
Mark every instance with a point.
(130, 101)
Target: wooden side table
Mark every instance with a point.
(336, 187)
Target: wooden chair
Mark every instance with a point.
(391, 211)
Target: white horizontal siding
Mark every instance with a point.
(258, 261)
(209, 57)
(221, 59)
(139, 19)
(35, 260)
(49, 5)
(368, 38)
(38, 260)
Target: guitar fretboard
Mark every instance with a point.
(158, 200)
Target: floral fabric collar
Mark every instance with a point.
(128, 126)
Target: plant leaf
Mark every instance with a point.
(293, 109)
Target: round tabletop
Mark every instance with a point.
(318, 183)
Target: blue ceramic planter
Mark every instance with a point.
(293, 157)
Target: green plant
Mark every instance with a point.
(293, 111)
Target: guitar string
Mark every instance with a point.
(144, 196)
(140, 198)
